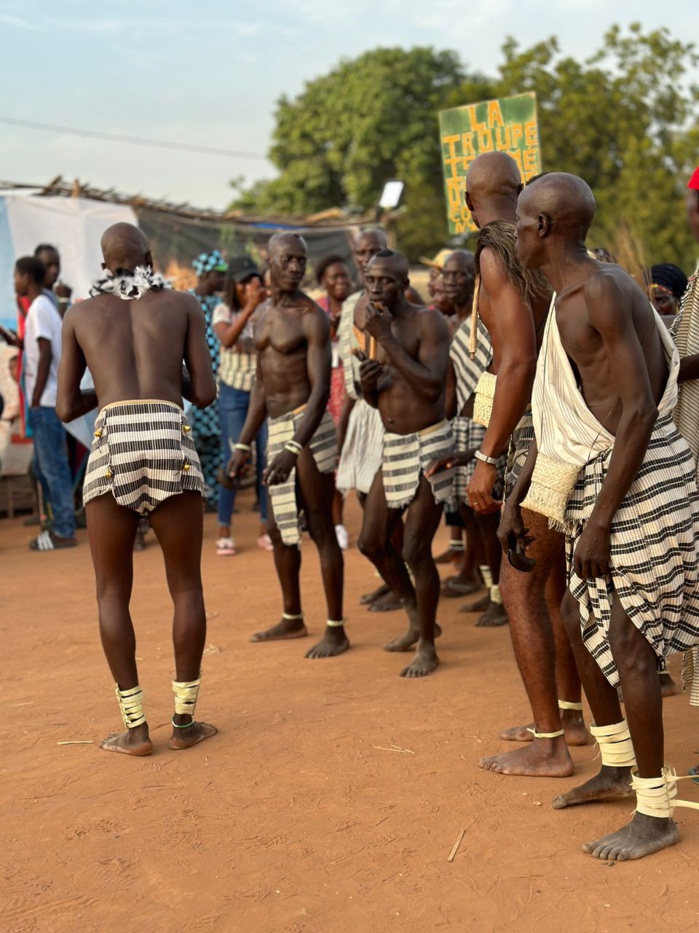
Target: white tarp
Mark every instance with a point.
(73, 225)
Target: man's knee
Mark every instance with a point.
(570, 614)
(630, 650)
(417, 549)
(371, 545)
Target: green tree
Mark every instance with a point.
(371, 119)
(624, 120)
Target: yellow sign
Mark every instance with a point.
(508, 125)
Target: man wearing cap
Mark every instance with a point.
(210, 269)
(668, 283)
(435, 266)
(233, 321)
(686, 413)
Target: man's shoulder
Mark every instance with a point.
(431, 320)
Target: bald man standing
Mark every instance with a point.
(142, 463)
(292, 387)
(611, 469)
(513, 304)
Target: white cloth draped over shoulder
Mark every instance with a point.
(568, 435)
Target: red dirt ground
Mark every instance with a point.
(298, 817)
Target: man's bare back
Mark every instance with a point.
(135, 349)
(582, 313)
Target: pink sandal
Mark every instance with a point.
(225, 547)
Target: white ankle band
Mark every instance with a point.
(495, 596)
(332, 624)
(566, 704)
(486, 574)
(615, 745)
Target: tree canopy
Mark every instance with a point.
(625, 120)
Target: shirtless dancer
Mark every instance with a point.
(611, 468)
(406, 382)
(292, 337)
(361, 428)
(142, 462)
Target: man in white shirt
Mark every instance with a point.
(42, 353)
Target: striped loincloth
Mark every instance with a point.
(407, 456)
(654, 550)
(690, 675)
(520, 442)
(323, 446)
(469, 436)
(362, 451)
(468, 371)
(142, 453)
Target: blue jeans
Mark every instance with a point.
(52, 455)
(233, 407)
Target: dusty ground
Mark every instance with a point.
(298, 817)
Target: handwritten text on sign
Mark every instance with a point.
(507, 125)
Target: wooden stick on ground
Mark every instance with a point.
(455, 847)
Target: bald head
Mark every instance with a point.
(566, 200)
(288, 257)
(493, 183)
(554, 213)
(124, 247)
(369, 243)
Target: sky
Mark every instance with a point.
(210, 73)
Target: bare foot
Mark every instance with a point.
(644, 835)
(282, 631)
(668, 687)
(576, 733)
(388, 602)
(424, 662)
(369, 598)
(134, 742)
(409, 639)
(609, 783)
(543, 758)
(478, 605)
(193, 734)
(493, 617)
(333, 642)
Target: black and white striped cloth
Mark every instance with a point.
(323, 447)
(142, 453)
(468, 371)
(469, 436)
(407, 456)
(520, 442)
(362, 451)
(654, 550)
(686, 332)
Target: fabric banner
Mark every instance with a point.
(73, 225)
(507, 125)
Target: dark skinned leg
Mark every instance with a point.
(606, 710)
(316, 493)
(376, 544)
(495, 613)
(533, 643)
(287, 560)
(178, 526)
(638, 676)
(421, 523)
(567, 677)
(111, 530)
(381, 599)
(467, 580)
